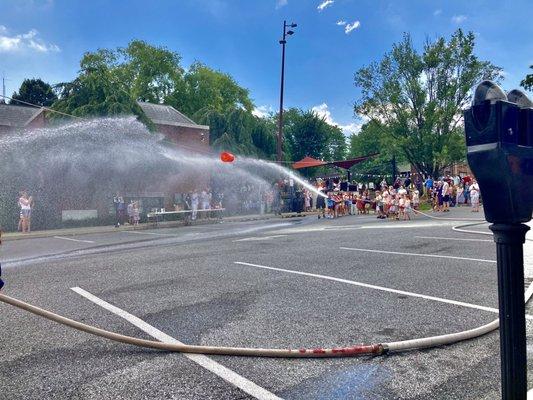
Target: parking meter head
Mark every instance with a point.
(499, 139)
(520, 98)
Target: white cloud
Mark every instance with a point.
(350, 27)
(262, 111)
(324, 4)
(458, 19)
(341, 22)
(281, 3)
(25, 41)
(322, 110)
(437, 12)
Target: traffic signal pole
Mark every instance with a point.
(509, 240)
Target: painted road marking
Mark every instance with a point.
(150, 233)
(418, 254)
(382, 288)
(225, 373)
(249, 239)
(449, 238)
(73, 240)
(380, 225)
(411, 225)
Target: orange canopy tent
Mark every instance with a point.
(307, 162)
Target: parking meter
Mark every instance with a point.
(499, 139)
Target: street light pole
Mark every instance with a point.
(283, 41)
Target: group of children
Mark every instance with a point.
(386, 203)
(397, 204)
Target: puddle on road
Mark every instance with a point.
(355, 382)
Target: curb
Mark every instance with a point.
(110, 229)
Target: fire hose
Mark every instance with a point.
(350, 351)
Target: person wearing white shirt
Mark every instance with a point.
(474, 196)
(445, 196)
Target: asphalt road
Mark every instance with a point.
(240, 284)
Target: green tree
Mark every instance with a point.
(110, 82)
(527, 82)
(336, 147)
(34, 91)
(417, 97)
(98, 89)
(151, 73)
(308, 136)
(205, 89)
(373, 139)
(264, 138)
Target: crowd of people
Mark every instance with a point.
(398, 201)
(453, 191)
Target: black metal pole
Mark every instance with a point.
(280, 122)
(509, 240)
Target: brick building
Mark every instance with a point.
(177, 128)
(13, 118)
(189, 137)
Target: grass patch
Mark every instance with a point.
(425, 207)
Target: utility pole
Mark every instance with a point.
(3, 99)
(283, 41)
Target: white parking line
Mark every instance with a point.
(149, 233)
(382, 288)
(250, 239)
(418, 254)
(459, 239)
(73, 240)
(225, 373)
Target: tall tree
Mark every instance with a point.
(308, 136)
(336, 144)
(151, 73)
(110, 82)
(34, 91)
(98, 89)
(372, 139)
(206, 89)
(417, 97)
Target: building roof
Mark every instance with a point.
(161, 114)
(18, 116)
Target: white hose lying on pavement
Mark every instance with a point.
(447, 219)
(369, 349)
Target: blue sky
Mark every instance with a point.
(46, 38)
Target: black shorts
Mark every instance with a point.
(446, 199)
